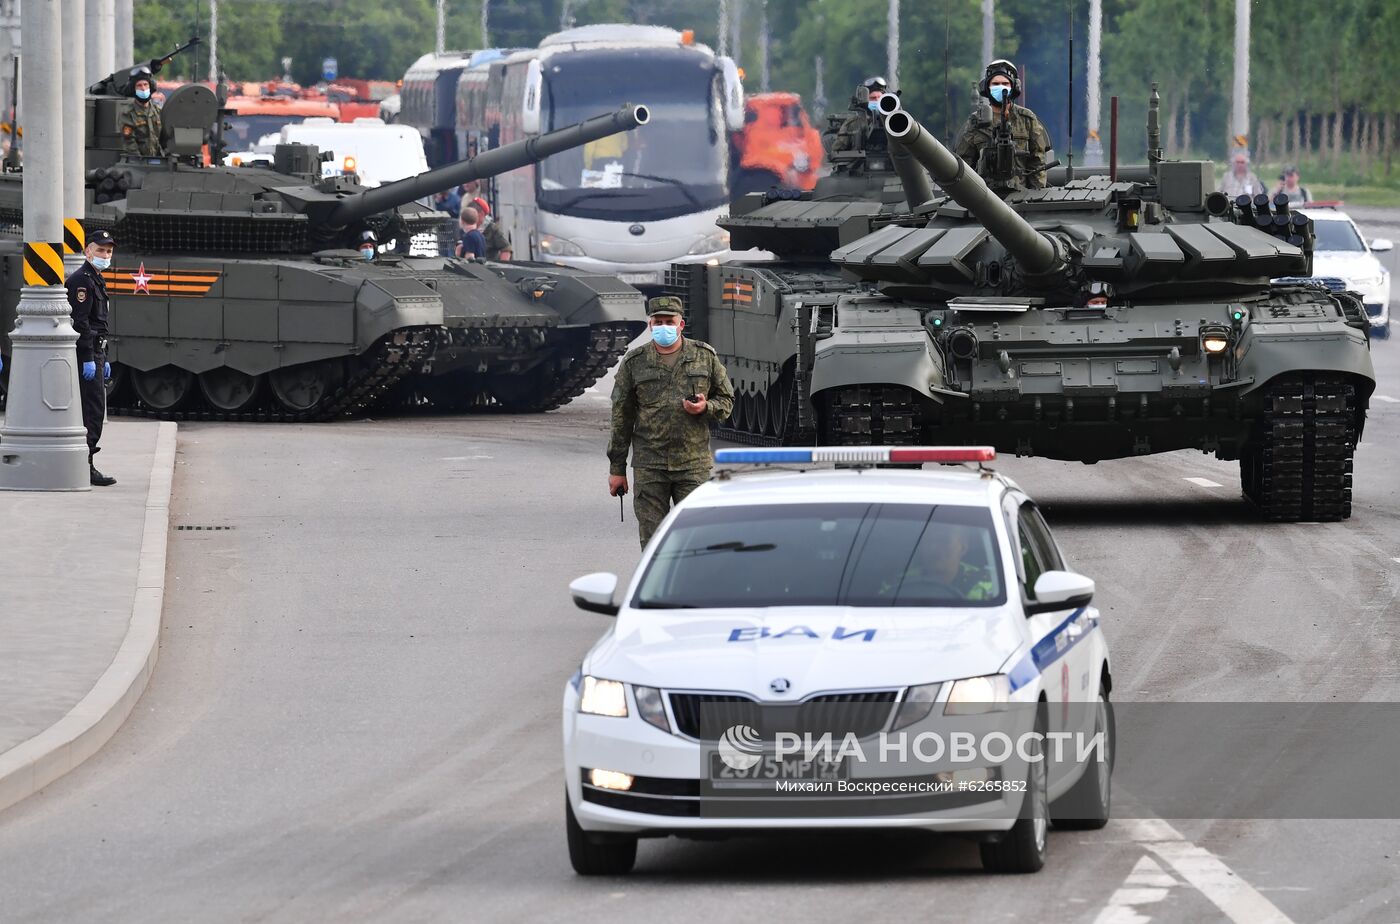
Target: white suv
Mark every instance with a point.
(1343, 259)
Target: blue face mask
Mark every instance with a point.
(1000, 93)
(874, 105)
(367, 253)
(100, 263)
(664, 335)
(143, 94)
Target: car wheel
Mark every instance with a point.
(1023, 848)
(592, 855)
(1086, 806)
(1382, 332)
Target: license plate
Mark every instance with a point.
(770, 768)
(640, 279)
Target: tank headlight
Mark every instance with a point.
(1215, 344)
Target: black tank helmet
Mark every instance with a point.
(1006, 69)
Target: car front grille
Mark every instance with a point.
(706, 716)
(1332, 283)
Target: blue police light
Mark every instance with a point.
(855, 455)
(761, 456)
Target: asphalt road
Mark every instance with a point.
(355, 715)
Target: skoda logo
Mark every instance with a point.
(780, 685)
(637, 229)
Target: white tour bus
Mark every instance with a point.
(626, 205)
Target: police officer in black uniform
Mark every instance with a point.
(87, 297)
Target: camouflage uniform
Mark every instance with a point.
(140, 125)
(670, 447)
(496, 239)
(1030, 137)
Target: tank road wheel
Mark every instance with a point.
(164, 389)
(760, 412)
(778, 407)
(229, 390)
(1298, 465)
(304, 388)
(120, 376)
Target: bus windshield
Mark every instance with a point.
(674, 165)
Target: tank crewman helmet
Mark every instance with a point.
(875, 83)
(1006, 69)
(665, 304)
(140, 72)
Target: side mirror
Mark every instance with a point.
(1060, 590)
(1382, 244)
(594, 592)
(733, 95)
(534, 91)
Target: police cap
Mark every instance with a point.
(665, 304)
(102, 238)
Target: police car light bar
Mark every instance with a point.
(854, 454)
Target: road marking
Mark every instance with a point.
(462, 458)
(1205, 483)
(1396, 560)
(1387, 399)
(1237, 899)
(1147, 884)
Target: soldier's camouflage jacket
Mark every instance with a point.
(647, 415)
(1032, 141)
(140, 125)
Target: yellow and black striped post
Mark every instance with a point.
(43, 264)
(74, 237)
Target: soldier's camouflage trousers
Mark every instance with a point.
(653, 493)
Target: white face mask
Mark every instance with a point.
(101, 263)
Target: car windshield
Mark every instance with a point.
(243, 131)
(897, 555)
(674, 165)
(1336, 235)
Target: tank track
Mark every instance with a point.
(374, 374)
(606, 344)
(1299, 466)
(792, 434)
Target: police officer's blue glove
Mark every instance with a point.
(2, 364)
(89, 371)
(106, 372)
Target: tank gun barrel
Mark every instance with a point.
(1035, 251)
(490, 163)
(917, 188)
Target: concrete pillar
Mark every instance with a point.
(100, 46)
(74, 87)
(213, 41)
(892, 45)
(1239, 100)
(42, 444)
(125, 35)
(1093, 148)
(989, 31)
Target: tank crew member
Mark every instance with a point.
(497, 240)
(140, 123)
(665, 396)
(87, 298)
(1001, 84)
(369, 242)
(850, 132)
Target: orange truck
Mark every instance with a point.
(255, 116)
(777, 147)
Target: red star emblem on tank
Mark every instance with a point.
(142, 279)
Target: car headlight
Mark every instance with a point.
(715, 240)
(651, 707)
(1366, 282)
(916, 705)
(559, 246)
(976, 695)
(603, 697)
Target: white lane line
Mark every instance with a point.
(1205, 483)
(1237, 899)
(1396, 560)
(1147, 884)
(1387, 399)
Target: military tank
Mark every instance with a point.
(1100, 318)
(238, 292)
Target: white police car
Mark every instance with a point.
(1342, 259)
(801, 648)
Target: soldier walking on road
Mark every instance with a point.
(140, 123)
(666, 394)
(87, 298)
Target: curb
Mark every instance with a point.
(34, 764)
